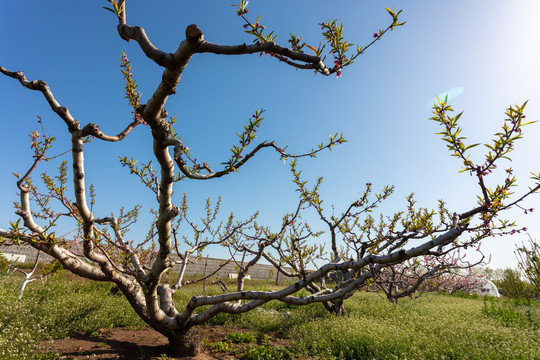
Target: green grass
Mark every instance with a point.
(513, 313)
(431, 327)
(59, 309)
(242, 344)
(241, 338)
(267, 352)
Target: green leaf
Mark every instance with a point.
(391, 12)
(471, 146)
(312, 49)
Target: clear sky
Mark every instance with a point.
(485, 53)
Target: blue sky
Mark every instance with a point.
(486, 52)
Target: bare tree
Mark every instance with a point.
(28, 275)
(360, 245)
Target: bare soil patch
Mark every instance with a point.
(146, 344)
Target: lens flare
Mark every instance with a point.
(451, 93)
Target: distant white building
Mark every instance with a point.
(489, 289)
(16, 258)
(203, 266)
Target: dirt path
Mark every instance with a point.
(145, 344)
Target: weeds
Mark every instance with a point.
(512, 313)
(267, 352)
(58, 310)
(431, 327)
(217, 346)
(241, 338)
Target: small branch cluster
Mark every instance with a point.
(146, 173)
(117, 7)
(492, 200)
(332, 34)
(245, 139)
(133, 96)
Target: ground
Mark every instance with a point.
(145, 344)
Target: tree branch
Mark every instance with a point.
(40, 85)
(138, 34)
(94, 130)
(284, 295)
(311, 61)
(178, 151)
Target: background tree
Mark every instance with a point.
(529, 263)
(511, 284)
(360, 245)
(444, 274)
(37, 271)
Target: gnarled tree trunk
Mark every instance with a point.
(186, 342)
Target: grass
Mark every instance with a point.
(266, 352)
(431, 327)
(243, 345)
(513, 313)
(59, 309)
